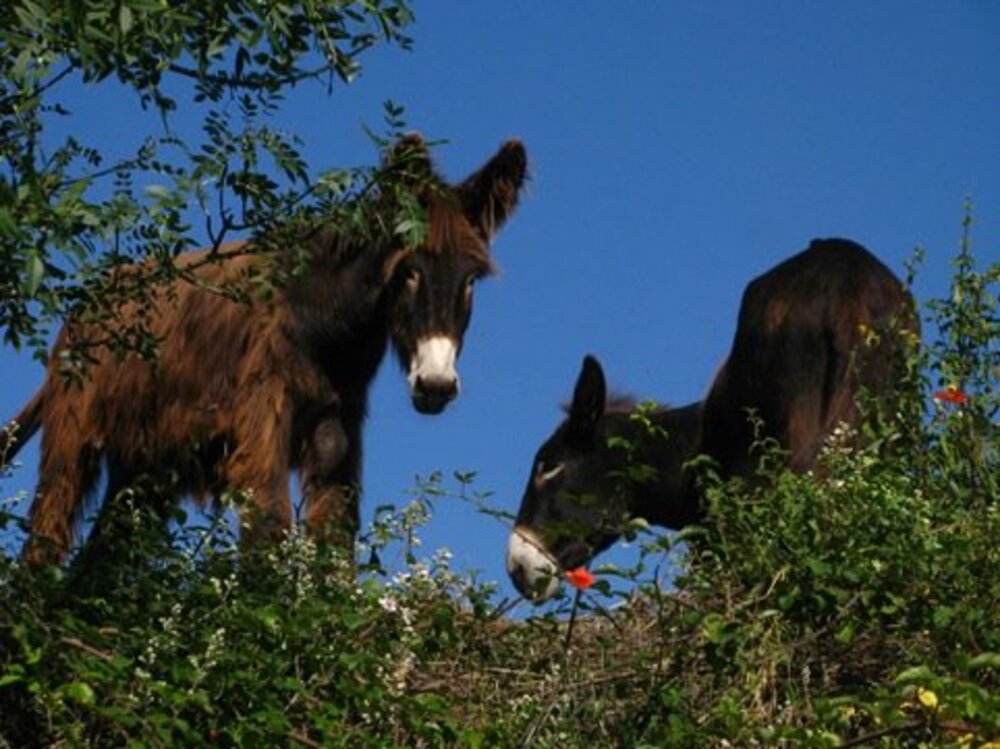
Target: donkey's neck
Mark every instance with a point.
(341, 286)
(667, 499)
(339, 303)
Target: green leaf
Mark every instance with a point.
(431, 702)
(79, 691)
(943, 615)
(352, 620)
(845, 636)
(473, 739)
(36, 272)
(74, 192)
(8, 227)
(159, 192)
(125, 19)
(818, 567)
(985, 660)
(11, 677)
(714, 628)
(915, 674)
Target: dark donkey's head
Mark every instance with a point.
(601, 467)
(431, 286)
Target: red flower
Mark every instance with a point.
(951, 395)
(580, 578)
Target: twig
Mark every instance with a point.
(572, 619)
(503, 607)
(73, 642)
(605, 614)
(7, 102)
(865, 738)
(957, 728)
(537, 722)
(251, 81)
(301, 738)
(605, 679)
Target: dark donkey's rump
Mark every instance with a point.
(811, 332)
(242, 393)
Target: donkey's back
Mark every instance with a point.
(811, 332)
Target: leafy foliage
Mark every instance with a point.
(69, 213)
(854, 606)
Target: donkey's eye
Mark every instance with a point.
(412, 278)
(545, 472)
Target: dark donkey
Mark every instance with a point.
(804, 346)
(241, 393)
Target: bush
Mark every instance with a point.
(853, 606)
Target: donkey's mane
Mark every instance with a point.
(619, 403)
(616, 403)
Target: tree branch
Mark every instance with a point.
(8, 102)
(253, 81)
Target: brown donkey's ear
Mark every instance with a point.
(589, 400)
(404, 180)
(408, 160)
(489, 196)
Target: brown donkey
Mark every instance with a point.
(243, 393)
(811, 332)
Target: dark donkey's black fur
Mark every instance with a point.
(243, 393)
(803, 348)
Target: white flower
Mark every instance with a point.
(389, 604)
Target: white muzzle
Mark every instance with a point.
(532, 568)
(433, 378)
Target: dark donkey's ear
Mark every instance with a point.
(589, 399)
(489, 196)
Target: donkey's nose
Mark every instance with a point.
(531, 568)
(432, 394)
(433, 377)
(536, 583)
(520, 577)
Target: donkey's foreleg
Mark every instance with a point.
(260, 466)
(329, 472)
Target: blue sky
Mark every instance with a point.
(677, 150)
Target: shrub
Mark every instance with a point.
(853, 606)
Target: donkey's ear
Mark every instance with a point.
(589, 399)
(489, 196)
(408, 160)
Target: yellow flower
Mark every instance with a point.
(927, 698)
